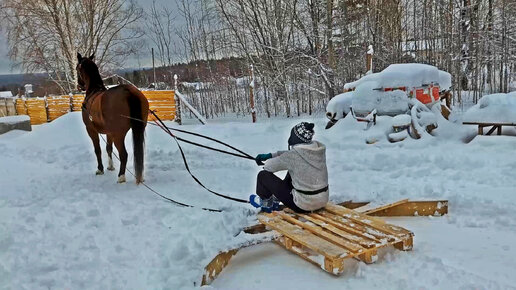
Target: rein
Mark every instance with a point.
(166, 129)
(157, 193)
(177, 139)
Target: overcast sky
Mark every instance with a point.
(145, 61)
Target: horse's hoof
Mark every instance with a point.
(99, 172)
(121, 179)
(110, 165)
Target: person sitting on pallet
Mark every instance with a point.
(305, 187)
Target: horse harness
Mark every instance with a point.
(87, 109)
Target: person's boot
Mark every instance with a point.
(264, 204)
(275, 204)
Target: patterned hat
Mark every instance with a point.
(301, 133)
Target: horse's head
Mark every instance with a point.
(85, 68)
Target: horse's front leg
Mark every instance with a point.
(96, 144)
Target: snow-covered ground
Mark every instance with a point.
(62, 227)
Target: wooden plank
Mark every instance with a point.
(352, 205)
(320, 232)
(367, 220)
(323, 222)
(415, 208)
(492, 130)
(303, 237)
(371, 211)
(356, 228)
(213, 269)
(311, 256)
(485, 124)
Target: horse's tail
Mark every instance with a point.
(138, 108)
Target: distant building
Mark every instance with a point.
(6, 95)
(28, 90)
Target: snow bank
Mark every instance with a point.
(401, 120)
(62, 227)
(493, 108)
(14, 119)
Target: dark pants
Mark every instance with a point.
(269, 184)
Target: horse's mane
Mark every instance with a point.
(91, 69)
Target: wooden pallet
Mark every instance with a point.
(329, 236)
(400, 208)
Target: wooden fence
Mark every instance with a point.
(42, 110)
(36, 109)
(57, 106)
(7, 107)
(163, 103)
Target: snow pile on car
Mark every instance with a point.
(366, 98)
(408, 75)
(498, 108)
(339, 106)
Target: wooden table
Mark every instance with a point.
(495, 126)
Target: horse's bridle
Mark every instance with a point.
(80, 81)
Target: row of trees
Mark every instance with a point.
(298, 48)
(314, 46)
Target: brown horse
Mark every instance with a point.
(106, 111)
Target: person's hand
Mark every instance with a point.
(262, 157)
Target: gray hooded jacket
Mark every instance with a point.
(306, 164)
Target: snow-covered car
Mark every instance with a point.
(338, 108)
(389, 91)
(496, 108)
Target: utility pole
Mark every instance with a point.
(154, 68)
(178, 102)
(251, 94)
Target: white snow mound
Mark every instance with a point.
(340, 105)
(498, 108)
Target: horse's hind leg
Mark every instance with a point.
(109, 149)
(122, 153)
(96, 144)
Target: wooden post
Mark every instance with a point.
(309, 92)
(178, 102)
(154, 68)
(251, 95)
(369, 59)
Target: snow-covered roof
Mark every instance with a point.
(6, 94)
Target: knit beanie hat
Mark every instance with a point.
(301, 133)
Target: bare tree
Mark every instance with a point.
(45, 35)
(160, 27)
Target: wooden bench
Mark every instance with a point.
(494, 125)
(329, 236)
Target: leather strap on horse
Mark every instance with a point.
(167, 130)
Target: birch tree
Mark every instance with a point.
(45, 35)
